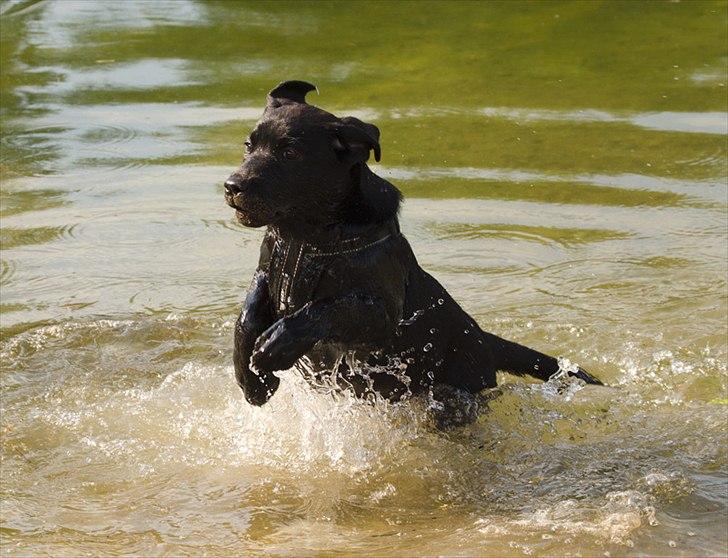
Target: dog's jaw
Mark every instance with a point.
(246, 219)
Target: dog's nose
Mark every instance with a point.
(233, 187)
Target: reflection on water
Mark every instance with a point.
(567, 184)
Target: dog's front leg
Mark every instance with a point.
(352, 319)
(255, 317)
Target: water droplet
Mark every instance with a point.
(466, 331)
(440, 301)
(427, 347)
(412, 318)
(433, 330)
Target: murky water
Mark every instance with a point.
(565, 173)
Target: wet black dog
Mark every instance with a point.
(338, 290)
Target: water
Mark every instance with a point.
(565, 173)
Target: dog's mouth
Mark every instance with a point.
(248, 217)
(241, 213)
(252, 216)
(244, 217)
(230, 202)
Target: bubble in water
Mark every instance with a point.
(440, 301)
(427, 347)
(466, 331)
(433, 330)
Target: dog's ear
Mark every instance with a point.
(357, 138)
(289, 92)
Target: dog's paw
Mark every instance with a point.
(258, 387)
(269, 359)
(584, 375)
(276, 349)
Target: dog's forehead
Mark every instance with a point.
(293, 120)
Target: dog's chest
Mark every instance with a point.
(295, 267)
(295, 274)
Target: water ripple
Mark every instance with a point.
(8, 269)
(713, 190)
(667, 121)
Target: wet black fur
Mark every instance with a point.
(306, 179)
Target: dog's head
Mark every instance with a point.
(306, 168)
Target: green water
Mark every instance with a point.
(564, 167)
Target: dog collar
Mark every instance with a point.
(296, 265)
(356, 243)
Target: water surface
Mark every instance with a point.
(564, 167)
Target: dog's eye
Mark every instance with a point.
(290, 153)
(248, 146)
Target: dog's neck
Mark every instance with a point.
(342, 236)
(295, 265)
(370, 202)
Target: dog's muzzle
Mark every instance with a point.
(249, 210)
(234, 189)
(233, 186)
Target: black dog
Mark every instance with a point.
(337, 282)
